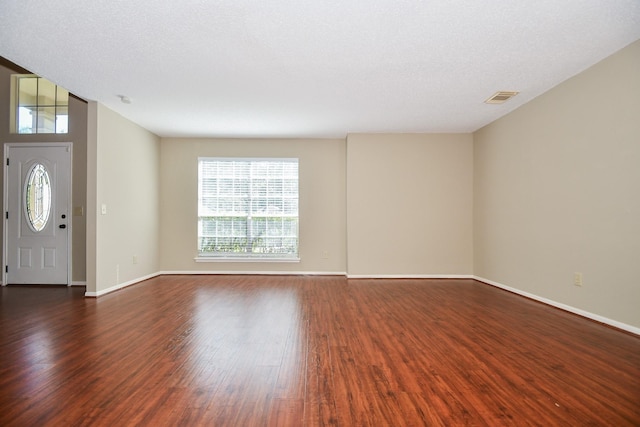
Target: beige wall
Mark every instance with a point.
(78, 136)
(124, 176)
(409, 204)
(557, 191)
(322, 201)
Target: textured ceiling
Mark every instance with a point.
(310, 68)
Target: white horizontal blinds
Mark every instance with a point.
(248, 207)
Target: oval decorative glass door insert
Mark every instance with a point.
(37, 198)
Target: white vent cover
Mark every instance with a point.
(500, 97)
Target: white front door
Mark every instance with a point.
(37, 226)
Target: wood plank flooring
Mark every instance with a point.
(308, 351)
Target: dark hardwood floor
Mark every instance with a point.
(308, 351)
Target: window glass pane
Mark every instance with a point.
(259, 205)
(259, 187)
(62, 97)
(62, 119)
(38, 197)
(291, 206)
(46, 120)
(27, 117)
(46, 93)
(27, 91)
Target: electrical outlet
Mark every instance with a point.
(577, 279)
(135, 259)
(325, 254)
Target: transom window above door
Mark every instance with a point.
(38, 105)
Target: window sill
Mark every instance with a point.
(243, 259)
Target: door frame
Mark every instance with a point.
(5, 201)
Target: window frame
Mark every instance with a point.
(207, 256)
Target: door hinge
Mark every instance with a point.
(6, 215)
(7, 161)
(6, 268)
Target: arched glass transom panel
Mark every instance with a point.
(37, 200)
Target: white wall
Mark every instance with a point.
(409, 204)
(557, 191)
(123, 168)
(322, 225)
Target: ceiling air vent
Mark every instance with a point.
(500, 97)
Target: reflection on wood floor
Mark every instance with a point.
(308, 351)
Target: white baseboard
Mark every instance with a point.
(270, 273)
(182, 272)
(410, 276)
(74, 283)
(580, 312)
(121, 285)
(258, 273)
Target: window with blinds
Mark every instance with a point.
(248, 208)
